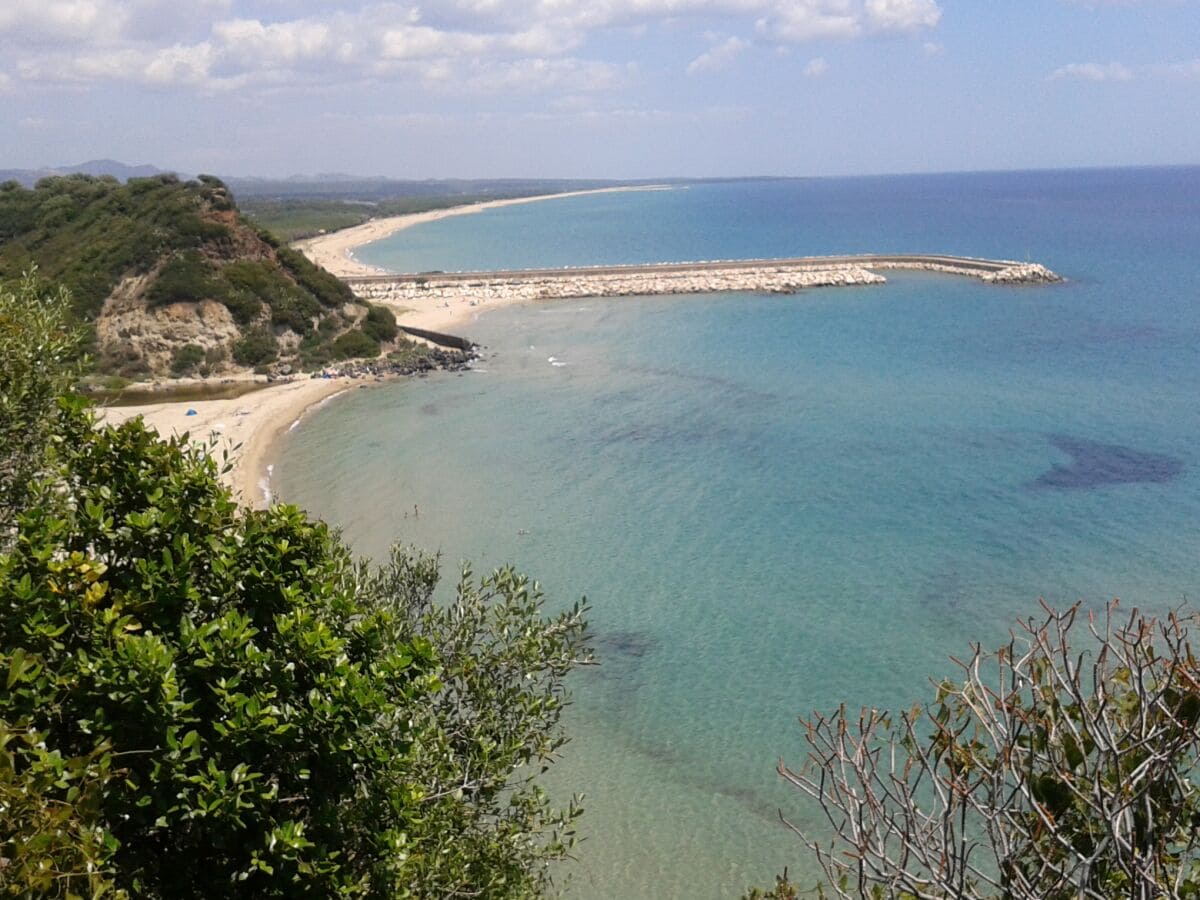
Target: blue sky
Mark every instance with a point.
(600, 88)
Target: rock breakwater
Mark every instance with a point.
(434, 289)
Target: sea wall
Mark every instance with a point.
(766, 276)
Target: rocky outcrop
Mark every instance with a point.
(131, 336)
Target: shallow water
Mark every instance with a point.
(776, 504)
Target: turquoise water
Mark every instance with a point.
(776, 504)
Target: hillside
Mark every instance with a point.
(170, 278)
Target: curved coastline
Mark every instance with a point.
(335, 251)
(249, 426)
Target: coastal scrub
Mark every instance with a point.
(203, 701)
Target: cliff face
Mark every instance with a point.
(171, 279)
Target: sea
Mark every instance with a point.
(777, 504)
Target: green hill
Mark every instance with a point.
(169, 277)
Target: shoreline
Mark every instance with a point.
(335, 251)
(248, 427)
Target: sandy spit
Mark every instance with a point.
(335, 251)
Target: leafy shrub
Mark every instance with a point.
(253, 276)
(37, 356)
(186, 358)
(331, 291)
(187, 277)
(288, 723)
(329, 325)
(295, 311)
(355, 345)
(380, 324)
(243, 306)
(256, 346)
(50, 841)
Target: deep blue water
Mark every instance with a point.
(776, 504)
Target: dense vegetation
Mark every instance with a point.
(190, 243)
(202, 701)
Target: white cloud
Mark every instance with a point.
(1186, 70)
(809, 20)
(61, 19)
(179, 65)
(1093, 72)
(519, 42)
(816, 67)
(104, 22)
(250, 41)
(932, 48)
(721, 56)
(903, 15)
(526, 75)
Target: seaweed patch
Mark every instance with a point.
(1094, 464)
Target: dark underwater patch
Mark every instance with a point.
(627, 644)
(1094, 464)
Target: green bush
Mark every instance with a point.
(188, 277)
(287, 723)
(243, 306)
(202, 701)
(50, 841)
(295, 311)
(256, 347)
(355, 345)
(37, 361)
(331, 291)
(380, 324)
(186, 358)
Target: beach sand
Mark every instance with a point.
(334, 251)
(246, 426)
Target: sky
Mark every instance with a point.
(599, 88)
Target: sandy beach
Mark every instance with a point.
(254, 421)
(335, 251)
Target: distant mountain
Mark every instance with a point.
(96, 167)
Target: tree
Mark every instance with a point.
(1054, 770)
(204, 701)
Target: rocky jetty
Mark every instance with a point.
(763, 276)
(1022, 273)
(776, 280)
